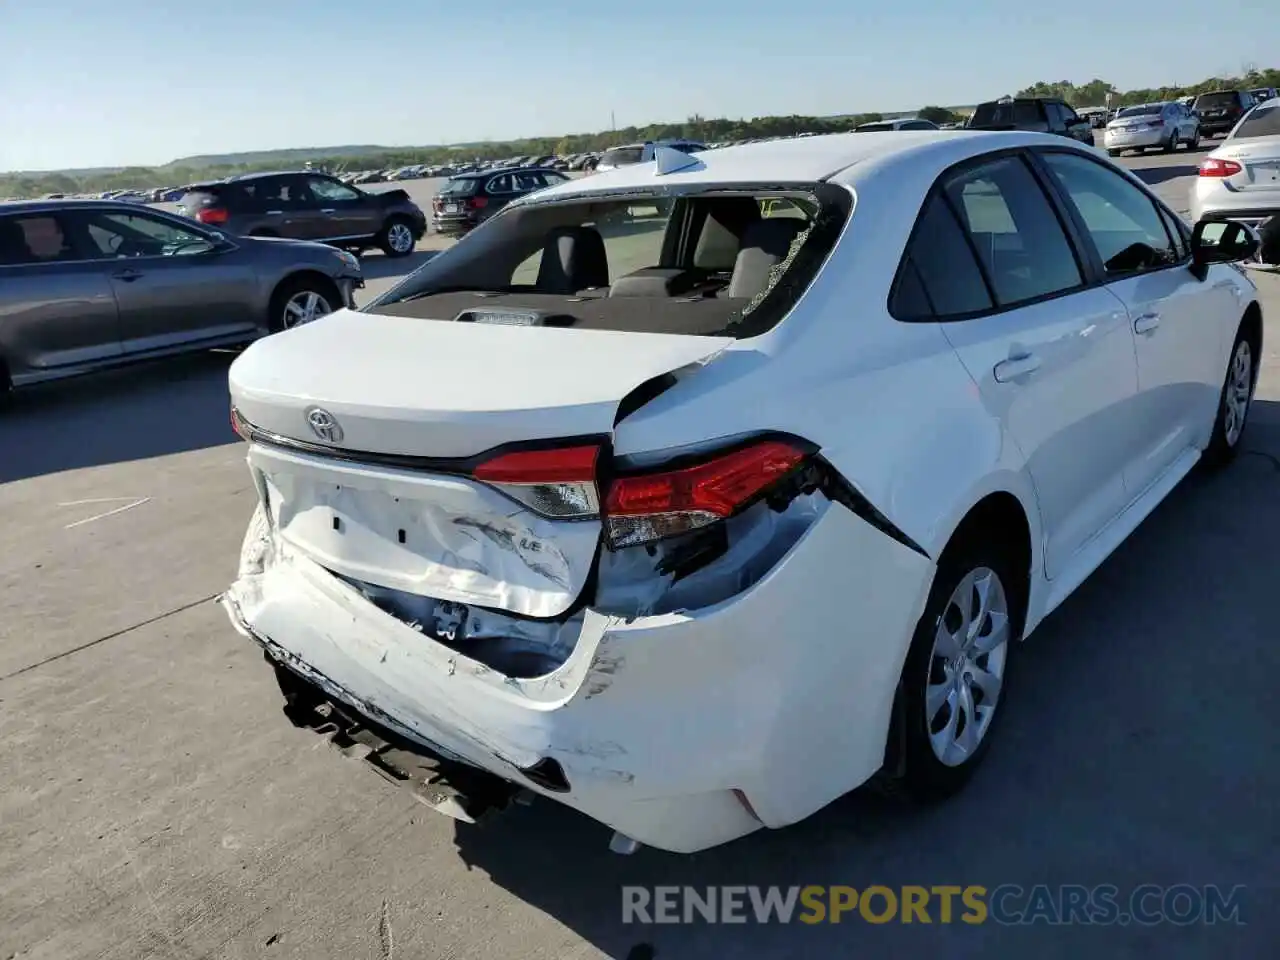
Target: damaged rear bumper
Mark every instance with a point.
(682, 730)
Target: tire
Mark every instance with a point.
(1195, 140)
(1114, 153)
(930, 773)
(396, 238)
(1234, 402)
(291, 303)
(1172, 145)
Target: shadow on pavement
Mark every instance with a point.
(1152, 176)
(1137, 749)
(377, 266)
(132, 413)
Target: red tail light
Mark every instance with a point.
(562, 483)
(1213, 167)
(557, 483)
(212, 215)
(478, 203)
(655, 505)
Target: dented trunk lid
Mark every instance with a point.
(425, 388)
(405, 387)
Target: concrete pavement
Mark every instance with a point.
(156, 803)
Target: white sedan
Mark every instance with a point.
(696, 521)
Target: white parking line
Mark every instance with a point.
(129, 504)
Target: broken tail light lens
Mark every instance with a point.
(558, 483)
(650, 506)
(240, 425)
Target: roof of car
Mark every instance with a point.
(498, 171)
(66, 203)
(809, 159)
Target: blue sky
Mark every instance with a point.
(112, 82)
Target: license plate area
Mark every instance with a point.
(450, 208)
(448, 538)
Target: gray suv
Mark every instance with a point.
(308, 206)
(87, 284)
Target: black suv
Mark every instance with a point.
(468, 200)
(308, 206)
(1221, 110)
(1036, 114)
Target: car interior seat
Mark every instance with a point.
(573, 259)
(765, 244)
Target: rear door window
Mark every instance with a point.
(1015, 232)
(265, 194)
(500, 184)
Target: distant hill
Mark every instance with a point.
(283, 157)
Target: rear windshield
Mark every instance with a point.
(1262, 122)
(1214, 101)
(698, 260)
(1147, 110)
(621, 156)
(998, 114)
(460, 187)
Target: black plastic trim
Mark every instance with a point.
(841, 491)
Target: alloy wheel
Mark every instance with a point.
(400, 238)
(1238, 394)
(303, 307)
(966, 666)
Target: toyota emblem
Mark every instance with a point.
(324, 425)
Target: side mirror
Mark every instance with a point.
(1221, 241)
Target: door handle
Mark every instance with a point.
(329, 210)
(1146, 323)
(128, 276)
(1015, 367)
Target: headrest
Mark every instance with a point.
(573, 259)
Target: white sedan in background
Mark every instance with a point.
(1152, 125)
(1240, 180)
(696, 522)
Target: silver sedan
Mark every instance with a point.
(1163, 125)
(1240, 180)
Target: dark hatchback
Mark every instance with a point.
(308, 206)
(468, 200)
(1036, 114)
(1221, 110)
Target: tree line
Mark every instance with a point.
(1089, 94)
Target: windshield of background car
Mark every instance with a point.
(1262, 122)
(621, 156)
(1006, 113)
(1148, 110)
(461, 187)
(1216, 101)
(703, 261)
